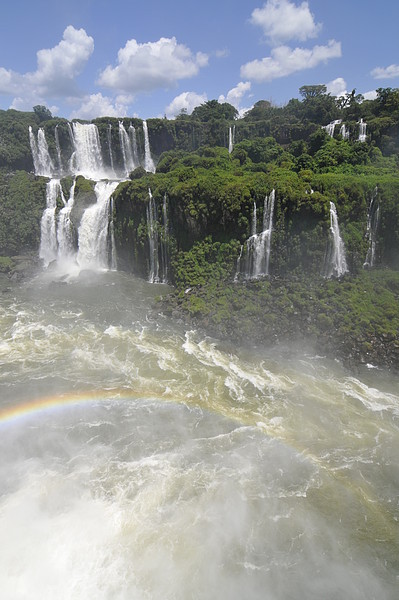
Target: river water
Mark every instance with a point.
(140, 460)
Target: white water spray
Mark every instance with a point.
(48, 250)
(231, 138)
(87, 159)
(42, 162)
(127, 150)
(65, 234)
(94, 250)
(362, 131)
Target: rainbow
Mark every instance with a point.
(18, 411)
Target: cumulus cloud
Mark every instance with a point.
(386, 72)
(236, 94)
(56, 70)
(97, 105)
(186, 101)
(282, 20)
(371, 95)
(285, 61)
(152, 65)
(337, 87)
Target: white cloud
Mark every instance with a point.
(56, 70)
(152, 65)
(372, 95)
(284, 61)
(386, 72)
(97, 105)
(186, 101)
(282, 20)
(337, 87)
(236, 94)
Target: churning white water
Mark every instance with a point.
(144, 461)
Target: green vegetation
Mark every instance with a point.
(210, 197)
(22, 201)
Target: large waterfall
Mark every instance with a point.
(95, 241)
(90, 243)
(257, 255)
(335, 265)
(48, 250)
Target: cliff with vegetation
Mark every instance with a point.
(213, 173)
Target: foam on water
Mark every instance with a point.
(143, 461)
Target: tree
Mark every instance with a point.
(42, 112)
(312, 91)
(214, 110)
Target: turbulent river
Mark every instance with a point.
(140, 460)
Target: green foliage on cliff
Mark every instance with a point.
(22, 201)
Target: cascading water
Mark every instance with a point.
(149, 164)
(41, 158)
(258, 245)
(362, 131)
(373, 218)
(344, 132)
(133, 141)
(254, 220)
(91, 242)
(165, 240)
(231, 138)
(238, 268)
(94, 240)
(330, 128)
(65, 233)
(87, 158)
(335, 265)
(152, 230)
(127, 150)
(109, 141)
(48, 250)
(58, 148)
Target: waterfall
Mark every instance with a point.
(48, 240)
(254, 223)
(58, 148)
(93, 234)
(258, 245)
(335, 259)
(362, 131)
(238, 268)
(344, 132)
(152, 230)
(127, 150)
(133, 141)
(231, 138)
(42, 162)
(65, 233)
(373, 218)
(109, 140)
(148, 162)
(330, 128)
(112, 237)
(87, 159)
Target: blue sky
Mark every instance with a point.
(89, 58)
